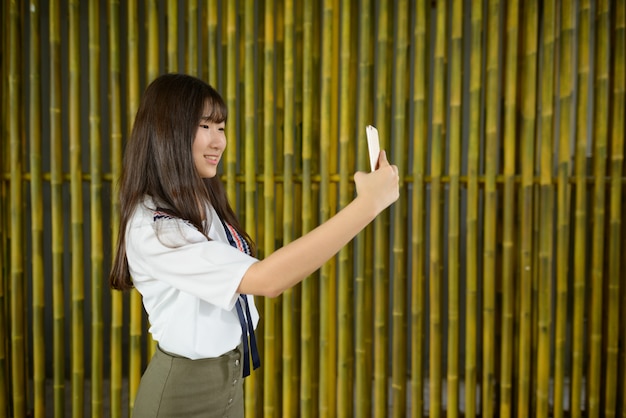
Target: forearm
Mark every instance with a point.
(291, 264)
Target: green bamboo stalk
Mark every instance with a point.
(4, 220)
(600, 138)
(97, 276)
(563, 203)
(345, 319)
(231, 96)
(152, 39)
(507, 361)
(37, 211)
(57, 228)
(211, 62)
(526, 273)
(289, 355)
(271, 375)
(418, 253)
(381, 277)
(16, 284)
(473, 156)
(400, 151)
(328, 293)
(362, 243)
(615, 211)
(192, 37)
(172, 36)
(115, 117)
(135, 308)
(580, 220)
(455, 138)
(492, 110)
(309, 390)
(546, 211)
(76, 213)
(436, 220)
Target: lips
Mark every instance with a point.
(213, 159)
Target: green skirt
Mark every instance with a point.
(175, 386)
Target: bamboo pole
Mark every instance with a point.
(362, 243)
(309, 389)
(4, 259)
(172, 36)
(97, 276)
(328, 294)
(615, 268)
(57, 227)
(438, 123)
(135, 308)
(211, 62)
(492, 111)
(580, 219)
(507, 362)
(272, 371)
(76, 213)
(152, 39)
(600, 141)
(230, 27)
(16, 283)
(115, 117)
(526, 194)
(563, 203)
(472, 243)
(399, 152)
(37, 211)
(381, 279)
(418, 253)
(546, 221)
(455, 140)
(192, 37)
(345, 319)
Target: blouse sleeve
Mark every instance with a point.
(172, 251)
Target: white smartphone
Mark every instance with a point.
(373, 145)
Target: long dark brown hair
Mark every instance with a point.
(158, 161)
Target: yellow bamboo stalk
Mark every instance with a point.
(192, 37)
(526, 273)
(4, 261)
(289, 355)
(16, 284)
(211, 62)
(580, 220)
(37, 211)
(362, 243)
(615, 268)
(172, 36)
(57, 228)
(115, 117)
(455, 139)
(546, 221)
(473, 155)
(230, 94)
(438, 123)
(566, 55)
(400, 151)
(492, 110)
(76, 213)
(381, 279)
(345, 324)
(135, 309)
(309, 390)
(97, 276)
(327, 284)
(600, 140)
(271, 374)
(152, 39)
(508, 207)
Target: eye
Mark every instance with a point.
(204, 126)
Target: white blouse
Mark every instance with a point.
(188, 283)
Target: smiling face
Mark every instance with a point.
(208, 146)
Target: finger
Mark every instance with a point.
(382, 159)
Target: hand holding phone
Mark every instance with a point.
(373, 145)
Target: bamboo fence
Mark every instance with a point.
(495, 286)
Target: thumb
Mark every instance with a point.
(382, 159)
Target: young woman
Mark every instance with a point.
(181, 246)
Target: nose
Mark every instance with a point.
(218, 140)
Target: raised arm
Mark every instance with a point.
(290, 264)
